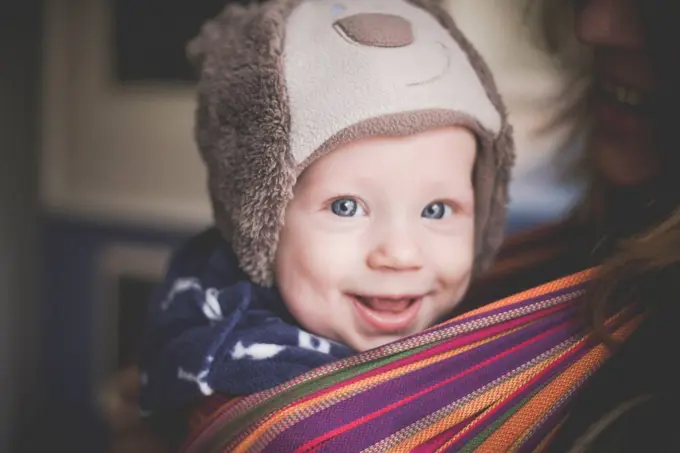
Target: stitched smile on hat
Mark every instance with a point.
(380, 30)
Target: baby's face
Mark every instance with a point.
(378, 241)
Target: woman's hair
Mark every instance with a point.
(639, 264)
(643, 271)
(551, 28)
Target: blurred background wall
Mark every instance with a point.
(96, 119)
(121, 185)
(20, 304)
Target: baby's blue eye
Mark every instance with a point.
(436, 210)
(346, 207)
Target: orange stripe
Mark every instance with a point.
(534, 292)
(508, 437)
(545, 443)
(349, 390)
(205, 414)
(538, 291)
(543, 366)
(281, 415)
(477, 405)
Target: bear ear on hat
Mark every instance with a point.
(195, 52)
(200, 46)
(211, 31)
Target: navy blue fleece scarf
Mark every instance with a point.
(212, 330)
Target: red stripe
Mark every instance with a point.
(530, 383)
(310, 445)
(447, 345)
(440, 439)
(205, 414)
(566, 357)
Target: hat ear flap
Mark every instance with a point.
(243, 127)
(493, 232)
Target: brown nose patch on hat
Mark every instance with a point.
(376, 30)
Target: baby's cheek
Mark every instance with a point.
(454, 258)
(332, 258)
(455, 273)
(313, 273)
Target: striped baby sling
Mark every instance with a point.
(497, 379)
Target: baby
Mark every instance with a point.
(358, 157)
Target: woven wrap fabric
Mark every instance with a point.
(497, 379)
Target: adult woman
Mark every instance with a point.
(634, 152)
(632, 164)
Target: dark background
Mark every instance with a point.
(134, 296)
(151, 35)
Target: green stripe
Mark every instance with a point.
(251, 419)
(257, 413)
(482, 436)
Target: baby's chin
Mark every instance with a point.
(364, 341)
(360, 343)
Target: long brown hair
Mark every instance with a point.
(641, 267)
(638, 263)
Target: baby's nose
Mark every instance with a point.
(396, 250)
(376, 30)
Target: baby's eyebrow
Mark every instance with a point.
(461, 189)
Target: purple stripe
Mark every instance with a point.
(560, 411)
(537, 437)
(381, 427)
(400, 388)
(554, 418)
(509, 404)
(518, 305)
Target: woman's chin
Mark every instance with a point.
(624, 165)
(622, 147)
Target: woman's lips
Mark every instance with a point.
(627, 126)
(623, 112)
(388, 314)
(625, 95)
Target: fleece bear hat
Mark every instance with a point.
(284, 81)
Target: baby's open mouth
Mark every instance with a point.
(391, 305)
(388, 314)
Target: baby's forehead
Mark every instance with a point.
(443, 157)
